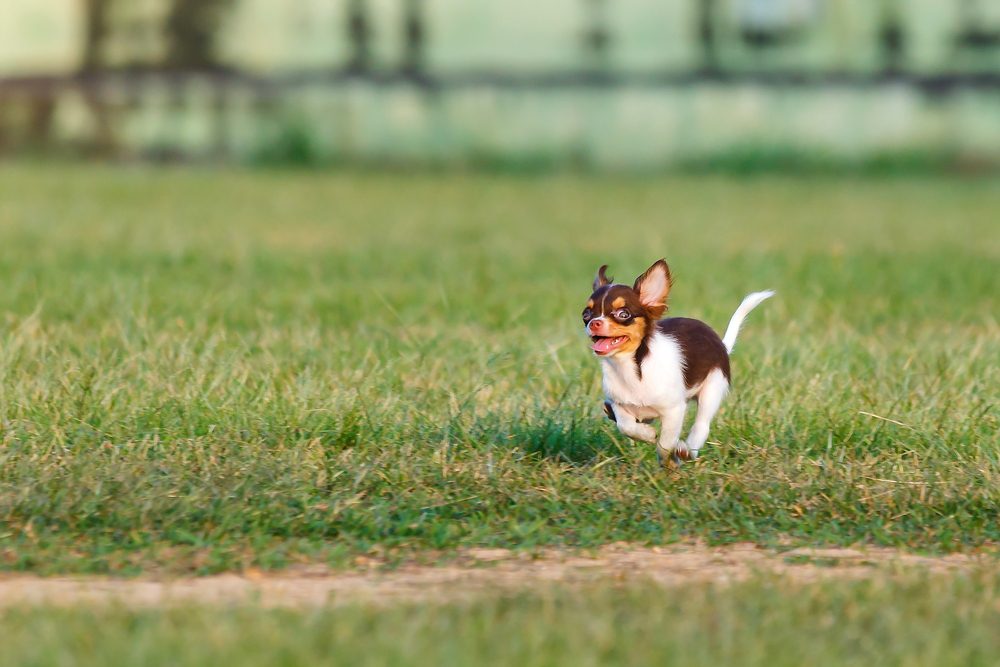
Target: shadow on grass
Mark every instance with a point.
(576, 439)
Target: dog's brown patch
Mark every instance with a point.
(602, 278)
(611, 298)
(702, 349)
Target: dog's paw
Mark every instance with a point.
(685, 453)
(667, 458)
(675, 456)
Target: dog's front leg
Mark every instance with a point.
(628, 424)
(669, 445)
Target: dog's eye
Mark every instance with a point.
(587, 314)
(623, 314)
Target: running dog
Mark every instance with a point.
(652, 367)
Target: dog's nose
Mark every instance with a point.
(596, 325)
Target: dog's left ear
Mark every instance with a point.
(653, 287)
(601, 280)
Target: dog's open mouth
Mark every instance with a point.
(607, 344)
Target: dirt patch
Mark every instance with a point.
(482, 571)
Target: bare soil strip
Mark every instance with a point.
(483, 571)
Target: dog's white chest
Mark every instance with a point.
(662, 381)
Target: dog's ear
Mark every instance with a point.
(601, 280)
(653, 287)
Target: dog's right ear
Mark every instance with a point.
(601, 280)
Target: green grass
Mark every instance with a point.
(202, 370)
(943, 621)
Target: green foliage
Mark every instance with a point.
(293, 144)
(201, 370)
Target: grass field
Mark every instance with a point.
(206, 370)
(917, 621)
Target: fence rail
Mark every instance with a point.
(264, 85)
(157, 60)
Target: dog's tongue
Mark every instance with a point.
(603, 345)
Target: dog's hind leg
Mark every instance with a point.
(713, 390)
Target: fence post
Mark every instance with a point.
(597, 36)
(359, 34)
(95, 32)
(707, 36)
(192, 28)
(891, 38)
(414, 38)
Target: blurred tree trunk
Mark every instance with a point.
(96, 30)
(95, 36)
(191, 30)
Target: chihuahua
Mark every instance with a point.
(653, 367)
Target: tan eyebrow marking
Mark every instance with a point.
(618, 303)
(590, 304)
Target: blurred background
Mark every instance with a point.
(614, 84)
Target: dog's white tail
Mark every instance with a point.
(750, 302)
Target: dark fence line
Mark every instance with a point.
(127, 80)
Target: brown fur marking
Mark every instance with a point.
(602, 279)
(701, 347)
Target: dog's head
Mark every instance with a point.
(618, 317)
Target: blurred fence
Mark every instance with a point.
(618, 82)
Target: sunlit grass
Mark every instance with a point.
(203, 370)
